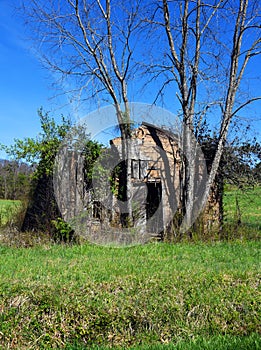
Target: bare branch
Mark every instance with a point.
(251, 100)
(169, 35)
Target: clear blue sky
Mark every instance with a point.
(25, 85)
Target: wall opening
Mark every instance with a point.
(154, 210)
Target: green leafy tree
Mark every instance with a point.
(240, 161)
(43, 213)
(42, 149)
(42, 206)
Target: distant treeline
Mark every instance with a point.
(15, 179)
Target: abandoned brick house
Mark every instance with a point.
(156, 184)
(157, 179)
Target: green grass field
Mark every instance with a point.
(181, 297)
(8, 210)
(243, 205)
(157, 294)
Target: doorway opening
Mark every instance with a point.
(154, 210)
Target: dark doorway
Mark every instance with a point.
(154, 212)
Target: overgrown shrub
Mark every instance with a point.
(62, 231)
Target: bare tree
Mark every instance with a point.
(206, 47)
(92, 42)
